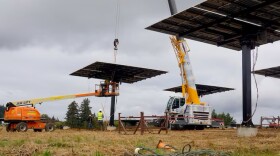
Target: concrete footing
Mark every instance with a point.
(247, 131)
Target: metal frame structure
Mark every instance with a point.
(116, 73)
(237, 25)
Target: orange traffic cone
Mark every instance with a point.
(165, 146)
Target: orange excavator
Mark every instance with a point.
(22, 115)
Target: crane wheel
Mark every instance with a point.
(49, 127)
(199, 128)
(22, 127)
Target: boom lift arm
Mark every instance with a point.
(104, 89)
(21, 117)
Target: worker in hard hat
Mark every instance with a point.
(90, 122)
(100, 117)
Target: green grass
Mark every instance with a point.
(96, 143)
(19, 142)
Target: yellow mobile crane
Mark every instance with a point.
(22, 115)
(187, 111)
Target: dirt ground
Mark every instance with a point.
(85, 142)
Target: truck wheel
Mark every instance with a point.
(8, 128)
(22, 127)
(174, 127)
(199, 127)
(49, 127)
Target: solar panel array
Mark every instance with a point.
(116, 72)
(224, 22)
(202, 89)
(271, 72)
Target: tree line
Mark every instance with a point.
(79, 116)
(228, 119)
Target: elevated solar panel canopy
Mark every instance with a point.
(116, 72)
(225, 22)
(202, 89)
(270, 72)
(233, 24)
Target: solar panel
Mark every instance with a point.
(224, 22)
(271, 72)
(202, 89)
(116, 72)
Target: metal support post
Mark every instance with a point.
(261, 122)
(247, 45)
(278, 123)
(112, 112)
(119, 126)
(142, 124)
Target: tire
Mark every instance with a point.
(190, 127)
(22, 127)
(175, 127)
(8, 128)
(181, 127)
(49, 127)
(199, 128)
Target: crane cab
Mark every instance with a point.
(174, 104)
(188, 116)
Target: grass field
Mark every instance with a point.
(84, 142)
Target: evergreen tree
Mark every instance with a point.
(214, 114)
(72, 115)
(2, 110)
(45, 117)
(226, 117)
(53, 119)
(85, 112)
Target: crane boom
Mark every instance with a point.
(189, 91)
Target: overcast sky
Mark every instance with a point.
(43, 41)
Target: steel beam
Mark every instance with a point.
(112, 111)
(247, 45)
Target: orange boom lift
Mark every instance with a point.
(22, 115)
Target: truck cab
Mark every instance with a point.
(187, 116)
(174, 104)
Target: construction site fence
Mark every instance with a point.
(274, 122)
(143, 122)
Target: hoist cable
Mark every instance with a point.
(116, 40)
